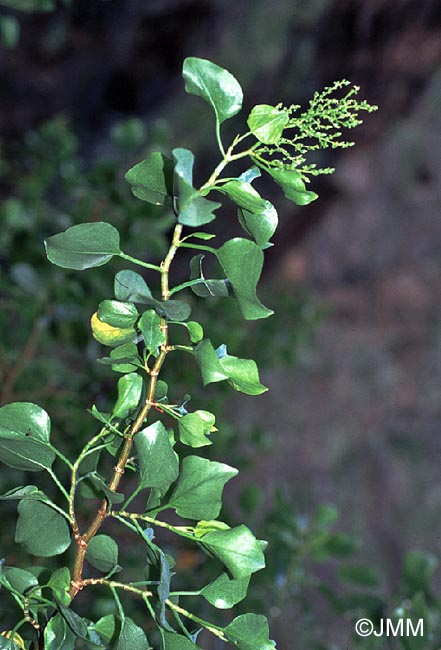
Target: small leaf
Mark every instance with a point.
(130, 286)
(206, 356)
(250, 632)
(123, 356)
(262, 225)
(195, 330)
(117, 313)
(206, 236)
(177, 642)
(129, 394)
(95, 487)
(293, 185)
(242, 261)
(152, 179)
(194, 209)
(194, 427)
(131, 636)
(243, 375)
(214, 84)
(224, 592)
(18, 579)
(198, 493)
(59, 582)
(83, 246)
(205, 288)
(19, 493)
(58, 635)
(244, 195)
(105, 627)
(24, 437)
(158, 463)
(35, 519)
(102, 553)
(150, 326)
(204, 527)
(267, 123)
(237, 548)
(109, 335)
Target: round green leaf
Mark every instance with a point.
(224, 592)
(83, 246)
(250, 632)
(237, 548)
(244, 195)
(129, 394)
(158, 463)
(18, 579)
(102, 553)
(267, 123)
(41, 529)
(117, 313)
(150, 326)
(24, 437)
(177, 642)
(58, 635)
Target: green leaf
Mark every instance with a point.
(214, 84)
(75, 622)
(58, 635)
(35, 519)
(130, 286)
(194, 427)
(267, 123)
(18, 579)
(131, 636)
(205, 288)
(293, 185)
(108, 334)
(249, 632)
(24, 437)
(122, 357)
(194, 209)
(129, 394)
(105, 627)
(206, 356)
(19, 493)
(363, 575)
(102, 553)
(243, 375)
(262, 225)
(118, 314)
(83, 246)
(237, 548)
(204, 527)
(224, 592)
(177, 642)
(173, 309)
(195, 330)
(95, 487)
(242, 261)
(158, 463)
(59, 582)
(152, 179)
(244, 195)
(198, 493)
(150, 326)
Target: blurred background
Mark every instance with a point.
(353, 355)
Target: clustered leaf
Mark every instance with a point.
(138, 326)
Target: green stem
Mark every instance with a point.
(62, 457)
(185, 285)
(58, 483)
(199, 247)
(219, 139)
(135, 260)
(214, 629)
(179, 530)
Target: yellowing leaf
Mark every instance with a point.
(109, 335)
(18, 641)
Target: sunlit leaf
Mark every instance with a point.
(237, 548)
(224, 592)
(250, 632)
(194, 209)
(214, 84)
(267, 123)
(158, 463)
(117, 313)
(129, 394)
(24, 437)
